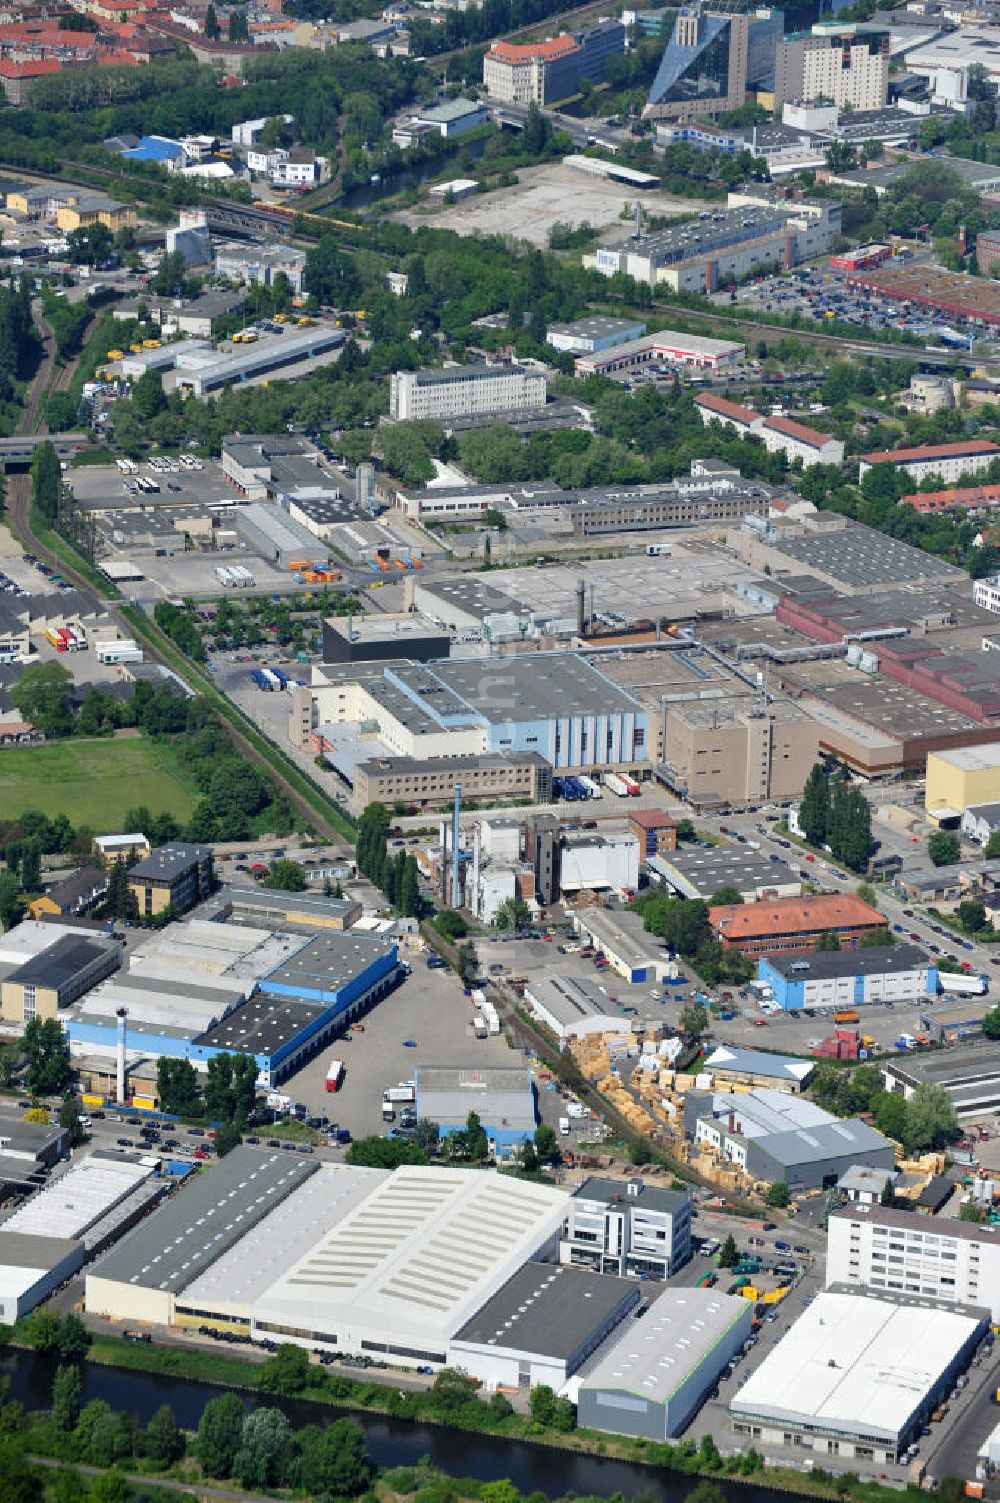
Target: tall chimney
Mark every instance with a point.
(121, 1015)
(456, 835)
(581, 607)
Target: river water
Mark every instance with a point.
(390, 1442)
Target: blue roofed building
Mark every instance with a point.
(154, 149)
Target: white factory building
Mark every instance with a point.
(573, 1006)
(953, 1262)
(31, 1268)
(464, 391)
(856, 1376)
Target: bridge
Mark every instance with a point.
(16, 453)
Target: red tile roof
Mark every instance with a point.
(792, 429)
(725, 408)
(968, 446)
(30, 69)
(741, 921)
(970, 496)
(523, 52)
(651, 819)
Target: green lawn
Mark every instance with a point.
(92, 782)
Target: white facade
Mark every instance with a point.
(808, 445)
(599, 862)
(853, 76)
(953, 1262)
(939, 462)
(627, 1229)
(464, 391)
(297, 174)
(986, 592)
(265, 161)
(495, 886)
(31, 1268)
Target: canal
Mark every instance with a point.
(390, 1442)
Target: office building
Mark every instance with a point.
(970, 1075)
(960, 777)
(846, 65)
(951, 1262)
(465, 391)
(655, 1378)
(627, 1227)
(173, 876)
(776, 1137)
(947, 462)
(247, 265)
(788, 926)
(545, 72)
(711, 60)
(852, 978)
(502, 1098)
(856, 1376)
(426, 784)
(541, 1327)
(57, 977)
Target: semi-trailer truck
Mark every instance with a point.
(618, 785)
(962, 983)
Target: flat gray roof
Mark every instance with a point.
(204, 1219)
(661, 1349)
(549, 1308)
(63, 960)
(912, 1221)
(329, 961)
(825, 964)
(262, 1025)
(169, 861)
(265, 901)
(956, 1067)
(647, 1197)
(502, 1097)
(857, 556)
(570, 999)
(20, 1250)
(829, 1140)
(539, 687)
(704, 873)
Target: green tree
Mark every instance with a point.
(219, 1432)
(335, 1463)
(827, 941)
(147, 396)
(12, 904)
(41, 693)
(930, 1120)
(409, 893)
(694, 1020)
(944, 848)
(67, 1389)
(287, 1372)
(44, 1328)
(725, 897)
(69, 1117)
(227, 1137)
(266, 1450)
(991, 1023)
(542, 1403)
(512, 914)
(468, 964)
(177, 1087)
(477, 1143)
(971, 914)
(778, 1194)
(969, 1211)
(212, 28)
(46, 484)
(992, 847)
(537, 131)
(286, 876)
(729, 1253)
(890, 1115)
(164, 1441)
(814, 808)
(74, 1339)
(238, 28)
(46, 1049)
(546, 1144)
(120, 902)
(384, 1153)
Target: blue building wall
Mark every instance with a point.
(790, 994)
(340, 997)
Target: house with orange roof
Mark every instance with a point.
(791, 926)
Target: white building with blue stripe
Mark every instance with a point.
(849, 978)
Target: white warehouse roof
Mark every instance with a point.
(660, 1350)
(71, 1204)
(416, 1259)
(853, 1364)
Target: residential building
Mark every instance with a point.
(656, 1377)
(962, 776)
(299, 168)
(846, 65)
(75, 894)
(57, 977)
(774, 1137)
(948, 462)
(789, 926)
(655, 829)
(464, 390)
(798, 441)
(112, 848)
(980, 821)
(627, 1228)
(873, 1247)
(17, 77)
(710, 61)
(173, 876)
(877, 974)
(734, 752)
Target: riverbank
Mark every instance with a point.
(374, 1401)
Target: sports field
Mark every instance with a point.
(93, 782)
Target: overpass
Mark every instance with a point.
(16, 452)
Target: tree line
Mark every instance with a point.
(833, 814)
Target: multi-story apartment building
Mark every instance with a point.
(969, 456)
(848, 65)
(953, 1262)
(464, 391)
(629, 1228)
(173, 876)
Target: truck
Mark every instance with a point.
(280, 676)
(591, 788)
(847, 1015)
(479, 1026)
(631, 786)
(963, 984)
(405, 1091)
(257, 675)
(618, 785)
(388, 1111)
(335, 1075)
(564, 1126)
(272, 678)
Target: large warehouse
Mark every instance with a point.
(503, 1099)
(31, 1268)
(856, 1376)
(93, 1203)
(970, 1075)
(573, 1006)
(271, 1244)
(656, 1376)
(849, 978)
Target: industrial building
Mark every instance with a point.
(961, 776)
(574, 1006)
(587, 336)
(455, 391)
(503, 1098)
(173, 876)
(591, 862)
(201, 372)
(541, 1326)
(383, 639)
(628, 1228)
(246, 265)
(407, 1269)
(268, 905)
(620, 937)
(951, 1262)
(95, 1202)
(849, 978)
(790, 926)
(426, 784)
(31, 1267)
(27, 1146)
(970, 1075)
(701, 874)
(856, 1376)
(729, 1065)
(776, 1137)
(946, 462)
(655, 1378)
(695, 350)
(57, 976)
(730, 752)
(271, 533)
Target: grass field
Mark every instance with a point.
(93, 782)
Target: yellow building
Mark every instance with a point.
(57, 976)
(132, 847)
(174, 876)
(83, 210)
(966, 775)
